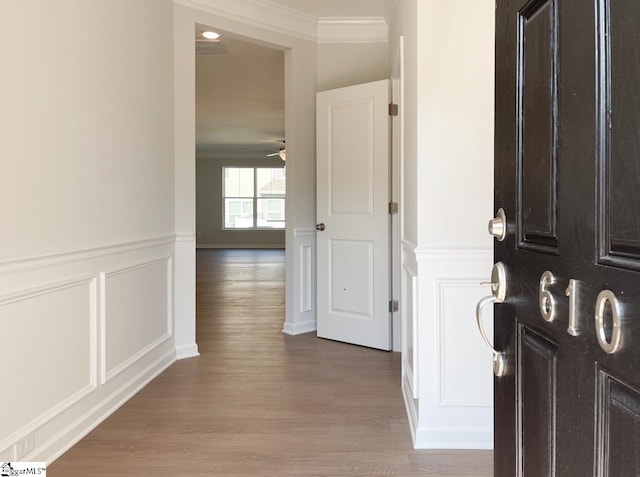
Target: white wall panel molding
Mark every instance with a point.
(304, 318)
(260, 13)
(461, 383)
(136, 300)
(64, 438)
(353, 30)
(206, 246)
(306, 278)
(409, 315)
(455, 382)
(68, 256)
(40, 384)
(57, 308)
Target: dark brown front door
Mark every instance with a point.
(567, 174)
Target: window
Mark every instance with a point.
(253, 197)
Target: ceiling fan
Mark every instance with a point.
(282, 153)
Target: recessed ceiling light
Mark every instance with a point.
(211, 35)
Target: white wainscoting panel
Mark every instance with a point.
(464, 367)
(134, 321)
(409, 332)
(455, 379)
(306, 278)
(49, 345)
(82, 331)
(409, 316)
(303, 319)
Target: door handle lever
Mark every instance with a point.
(499, 359)
(499, 290)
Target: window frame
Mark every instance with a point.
(255, 199)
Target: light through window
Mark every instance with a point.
(254, 197)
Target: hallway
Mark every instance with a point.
(261, 403)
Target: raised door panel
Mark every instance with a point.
(618, 445)
(537, 131)
(351, 162)
(537, 392)
(619, 119)
(352, 294)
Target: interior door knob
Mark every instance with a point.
(498, 225)
(320, 227)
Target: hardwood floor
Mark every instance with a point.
(261, 403)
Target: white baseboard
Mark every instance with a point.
(187, 351)
(299, 328)
(410, 405)
(453, 438)
(67, 437)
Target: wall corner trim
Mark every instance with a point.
(187, 351)
(299, 328)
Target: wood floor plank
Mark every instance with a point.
(261, 403)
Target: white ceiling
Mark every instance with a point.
(240, 94)
(240, 100)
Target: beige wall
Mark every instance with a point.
(405, 24)
(447, 197)
(209, 209)
(455, 121)
(86, 130)
(348, 64)
(86, 249)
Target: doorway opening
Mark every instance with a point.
(240, 138)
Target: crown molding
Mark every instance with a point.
(274, 17)
(261, 13)
(353, 30)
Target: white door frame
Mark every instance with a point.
(300, 81)
(396, 144)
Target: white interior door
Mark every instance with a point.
(353, 196)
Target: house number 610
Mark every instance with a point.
(547, 310)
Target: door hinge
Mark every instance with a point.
(393, 208)
(393, 306)
(393, 109)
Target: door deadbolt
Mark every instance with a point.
(498, 225)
